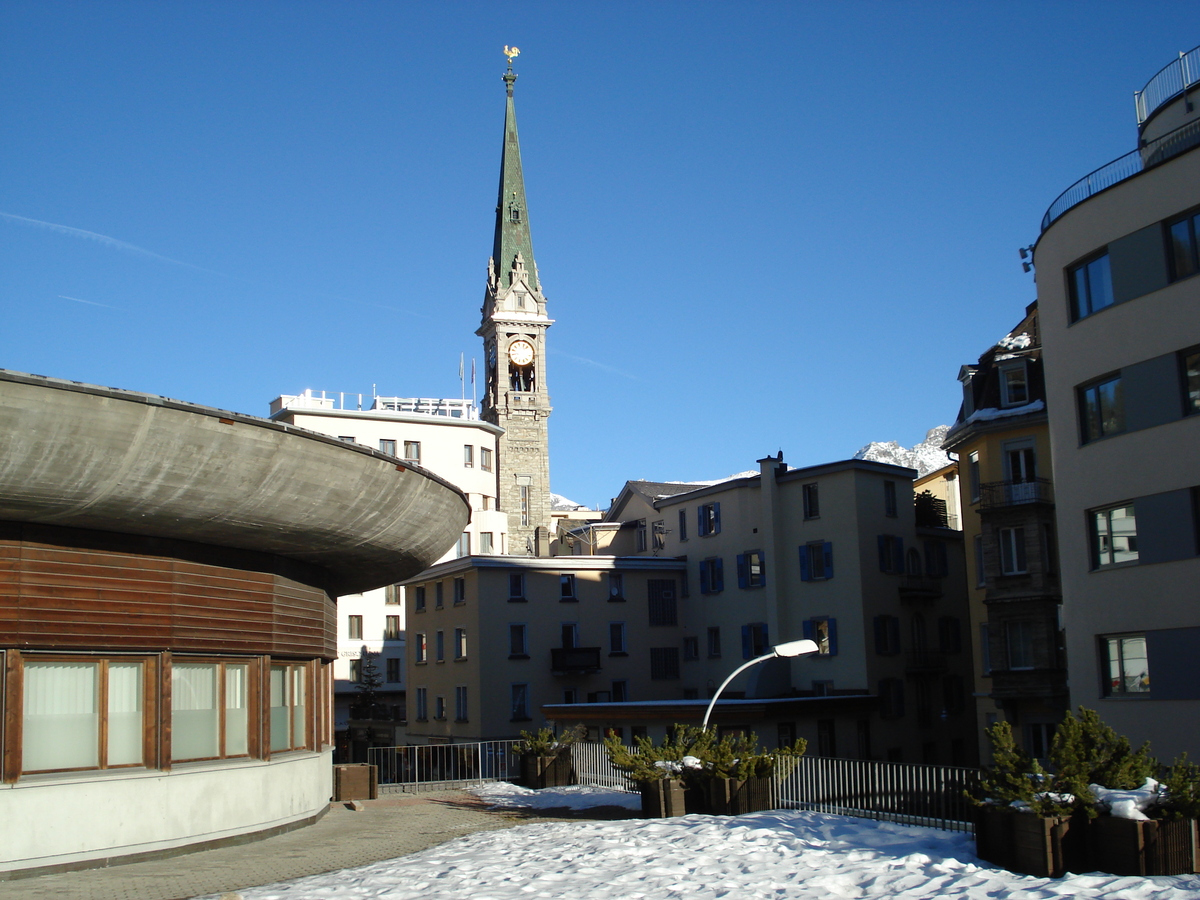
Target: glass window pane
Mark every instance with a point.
(298, 705)
(125, 724)
(61, 718)
(194, 711)
(1134, 670)
(280, 708)
(1099, 283)
(1112, 407)
(1123, 531)
(1079, 294)
(1191, 370)
(237, 710)
(1182, 259)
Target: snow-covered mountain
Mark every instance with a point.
(558, 501)
(925, 457)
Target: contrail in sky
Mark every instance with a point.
(592, 362)
(91, 302)
(104, 239)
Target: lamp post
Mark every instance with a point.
(790, 649)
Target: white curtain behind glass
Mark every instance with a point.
(280, 732)
(298, 695)
(61, 718)
(236, 710)
(124, 714)
(194, 711)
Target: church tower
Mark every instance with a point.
(514, 343)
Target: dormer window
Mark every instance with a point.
(1014, 385)
(514, 215)
(966, 375)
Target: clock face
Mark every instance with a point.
(520, 352)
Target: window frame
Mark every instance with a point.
(412, 452)
(1006, 370)
(150, 728)
(617, 639)
(516, 581)
(393, 628)
(518, 701)
(460, 703)
(1014, 559)
(708, 519)
(1076, 307)
(420, 648)
(714, 641)
(1089, 431)
(292, 670)
(811, 494)
(1190, 380)
(664, 664)
(485, 459)
(1107, 642)
(1191, 220)
(518, 640)
(1019, 635)
(388, 446)
(567, 588)
(616, 587)
(460, 644)
(354, 628)
(1098, 551)
(889, 499)
(468, 456)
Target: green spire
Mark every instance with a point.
(512, 215)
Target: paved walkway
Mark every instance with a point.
(394, 825)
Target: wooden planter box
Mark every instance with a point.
(663, 799)
(546, 771)
(734, 796)
(1137, 847)
(1029, 844)
(355, 781)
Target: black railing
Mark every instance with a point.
(925, 661)
(920, 587)
(1170, 81)
(575, 659)
(1015, 493)
(1133, 163)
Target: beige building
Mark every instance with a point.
(494, 639)
(1002, 439)
(1119, 299)
(832, 553)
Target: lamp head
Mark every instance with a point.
(796, 648)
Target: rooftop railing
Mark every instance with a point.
(1172, 80)
(1133, 163)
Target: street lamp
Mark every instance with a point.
(790, 649)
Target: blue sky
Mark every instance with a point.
(760, 226)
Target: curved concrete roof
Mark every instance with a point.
(83, 456)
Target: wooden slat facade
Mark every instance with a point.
(69, 589)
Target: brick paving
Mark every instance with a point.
(394, 825)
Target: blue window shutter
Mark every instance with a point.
(884, 555)
(810, 629)
(704, 587)
(881, 634)
(700, 521)
(899, 545)
(743, 577)
(762, 572)
(719, 575)
(746, 642)
(683, 524)
(805, 575)
(828, 548)
(832, 636)
(716, 518)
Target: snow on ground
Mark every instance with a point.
(776, 855)
(577, 796)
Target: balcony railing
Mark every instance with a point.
(920, 587)
(925, 662)
(996, 494)
(575, 659)
(1172, 80)
(1133, 163)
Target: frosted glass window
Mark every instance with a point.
(237, 710)
(195, 723)
(280, 707)
(61, 716)
(125, 722)
(298, 695)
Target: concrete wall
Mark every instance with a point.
(71, 818)
(1126, 466)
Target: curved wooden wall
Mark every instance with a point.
(71, 589)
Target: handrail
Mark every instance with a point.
(1168, 83)
(1149, 155)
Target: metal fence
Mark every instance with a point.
(432, 766)
(894, 792)
(1170, 81)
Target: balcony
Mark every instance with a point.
(574, 660)
(997, 494)
(925, 662)
(920, 588)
